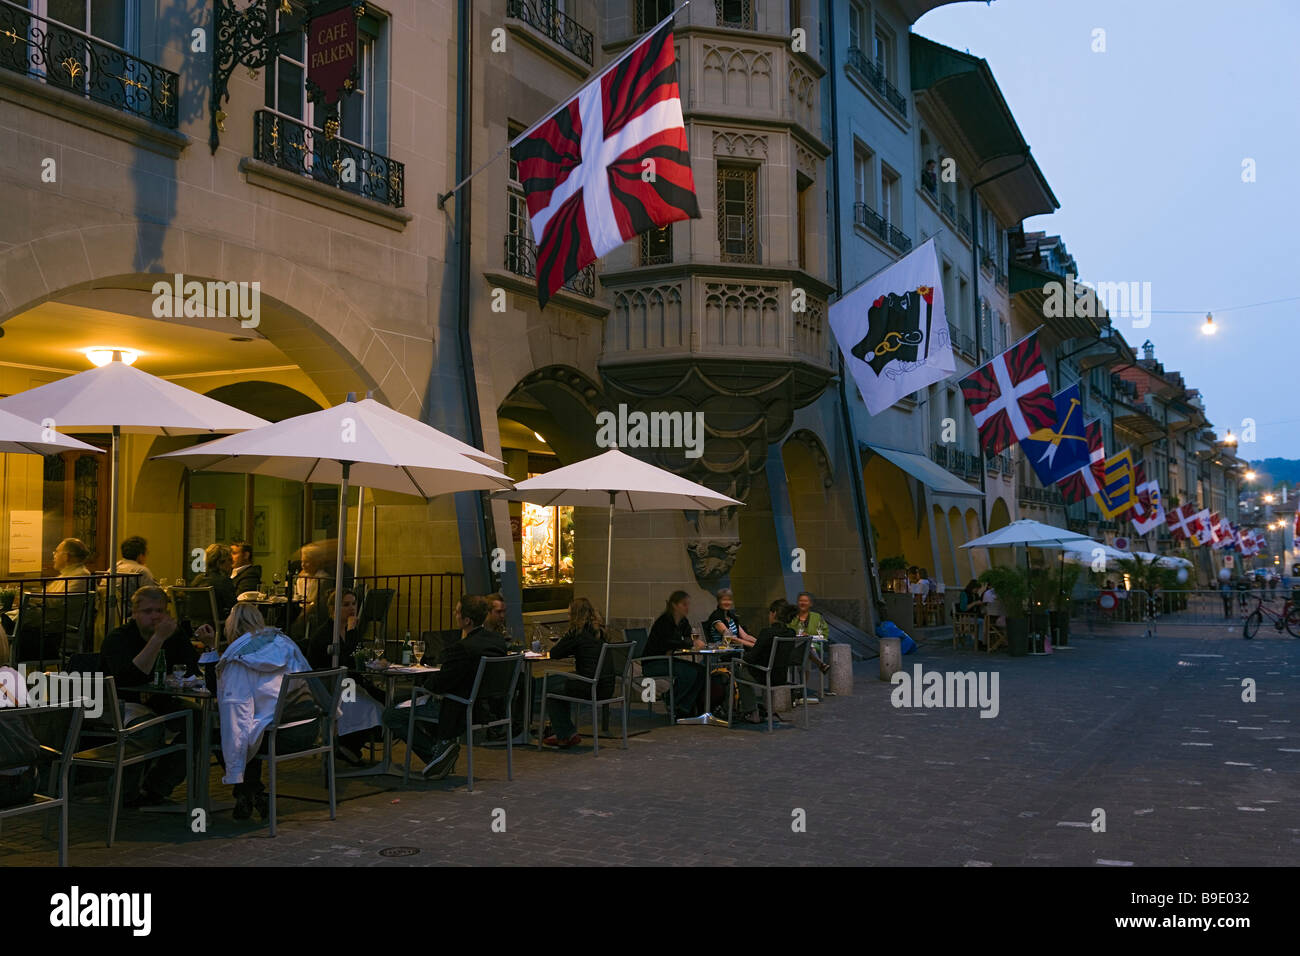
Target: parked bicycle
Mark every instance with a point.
(1289, 618)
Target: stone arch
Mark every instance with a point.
(303, 311)
(978, 556)
(1000, 517)
(946, 570)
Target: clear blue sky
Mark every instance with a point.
(1143, 146)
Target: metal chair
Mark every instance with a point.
(52, 626)
(326, 688)
(786, 653)
(199, 607)
(126, 749)
(614, 663)
(496, 677)
(54, 730)
(639, 636)
(374, 610)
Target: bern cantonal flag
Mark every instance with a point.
(582, 168)
(1061, 450)
(1010, 397)
(1182, 523)
(1116, 495)
(1087, 480)
(893, 330)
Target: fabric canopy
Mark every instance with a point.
(933, 476)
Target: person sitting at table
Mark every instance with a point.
(216, 575)
(969, 597)
(671, 632)
(128, 656)
(808, 621)
(249, 678)
(307, 584)
(723, 623)
(440, 746)
(42, 630)
(18, 781)
(780, 614)
(244, 574)
(135, 555)
(583, 642)
(364, 713)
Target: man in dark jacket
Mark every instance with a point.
(128, 655)
(439, 747)
(246, 575)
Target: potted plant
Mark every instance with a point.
(1066, 578)
(1012, 590)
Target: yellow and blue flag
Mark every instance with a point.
(1058, 451)
(1116, 495)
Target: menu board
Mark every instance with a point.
(25, 545)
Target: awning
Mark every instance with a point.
(927, 472)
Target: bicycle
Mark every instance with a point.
(1289, 618)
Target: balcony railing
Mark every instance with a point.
(964, 225)
(987, 262)
(546, 18)
(1039, 496)
(960, 340)
(79, 63)
(873, 222)
(948, 208)
(961, 463)
(1001, 280)
(734, 14)
(932, 188)
(324, 157)
(875, 78)
(521, 259)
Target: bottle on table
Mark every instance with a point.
(160, 669)
(406, 650)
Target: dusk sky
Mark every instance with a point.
(1143, 145)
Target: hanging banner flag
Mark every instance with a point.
(1060, 451)
(1116, 495)
(1182, 523)
(1148, 510)
(893, 330)
(1086, 481)
(1010, 397)
(609, 164)
(1201, 534)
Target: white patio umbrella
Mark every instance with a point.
(363, 441)
(122, 400)
(1162, 560)
(1033, 534)
(1086, 552)
(618, 482)
(20, 436)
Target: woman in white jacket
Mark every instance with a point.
(249, 676)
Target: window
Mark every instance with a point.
(862, 178)
(656, 246)
(737, 14)
(801, 211)
(104, 19)
(737, 213)
(883, 51)
(965, 320)
(546, 544)
(650, 12)
(519, 232)
(63, 57)
(889, 198)
(859, 17)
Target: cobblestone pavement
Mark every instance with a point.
(1151, 730)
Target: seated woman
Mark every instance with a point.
(671, 632)
(779, 616)
(723, 623)
(808, 621)
(969, 597)
(359, 716)
(582, 641)
(249, 676)
(216, 575)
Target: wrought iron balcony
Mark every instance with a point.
(324, 157)
(873, 222)
(961, 463)
(1039, 496)
(546, 17)
(521, 259)
(948, 208)
(964, 225)
(960, 340)
(79, 63)
(876, 79)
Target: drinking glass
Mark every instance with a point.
(417, 648)
(379, 646)
(177, 675)
(275, 580)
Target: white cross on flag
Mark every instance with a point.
(609, 164)
(1182, 522)
(1010, 397)
(1201, 529)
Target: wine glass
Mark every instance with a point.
(417, 650)
(275, 580)
(379, 646)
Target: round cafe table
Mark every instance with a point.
(709, 654)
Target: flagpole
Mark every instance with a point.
(442, 198)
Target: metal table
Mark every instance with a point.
(563, 665)
(391, 676)
(706, 652)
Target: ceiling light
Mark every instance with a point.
(101, 355)
(539, 438)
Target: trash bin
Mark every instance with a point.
(891, 656)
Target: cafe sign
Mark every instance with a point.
(332, 53)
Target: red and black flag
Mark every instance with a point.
(1010, 396)
(1087, 481)
(609, 164)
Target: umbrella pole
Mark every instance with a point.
(338, 563)
(609, 554)
(361, 514)
(110, 615)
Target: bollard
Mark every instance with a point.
(891, 656)
(841, 661)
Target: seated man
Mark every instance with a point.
(135, 555)
(246, 575)
(45, 627)
(779, 616)
(439, 747)
(129, 654)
